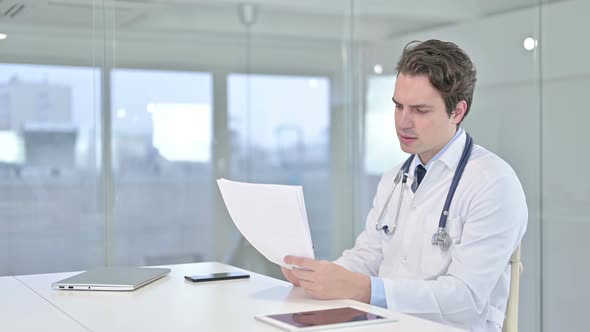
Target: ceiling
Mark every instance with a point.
(309, 19)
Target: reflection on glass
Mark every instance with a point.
(278, 123)
(51, 110)
(160, 117)
(48, 169)
(162, 124)
(280, 127)
(11, 148)
(382, 150)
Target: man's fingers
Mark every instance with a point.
(303, 274)
(308, 286)
(303, 262)
(310, 289)
(290, 276)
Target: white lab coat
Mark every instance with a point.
(467, 285)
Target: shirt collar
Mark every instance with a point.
(449, 154)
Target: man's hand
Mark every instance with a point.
(326, 281)
(289, 275)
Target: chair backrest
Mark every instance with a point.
(511, 321)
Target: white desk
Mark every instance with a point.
(23, 310)
(173, 304)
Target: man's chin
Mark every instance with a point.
(407, 149)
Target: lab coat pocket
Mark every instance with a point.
(435, 261)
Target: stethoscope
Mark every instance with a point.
(440, 237)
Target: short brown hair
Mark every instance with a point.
(447, 66)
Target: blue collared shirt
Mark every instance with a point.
(377, 287)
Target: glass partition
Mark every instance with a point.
(505, 117)
(565, 190)
(162, 138)
(50, 82)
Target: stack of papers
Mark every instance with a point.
(271, 217)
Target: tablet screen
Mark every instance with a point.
(325, 317)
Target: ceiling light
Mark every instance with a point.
(378, 69)
(530, 43)
(3, 36)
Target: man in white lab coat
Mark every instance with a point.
(465, 285)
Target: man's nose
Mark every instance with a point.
(405, 119)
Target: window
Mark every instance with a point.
(48, 133)
(162, 135)
(280, 128)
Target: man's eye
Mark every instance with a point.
(398, 106)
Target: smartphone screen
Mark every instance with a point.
(217, 276)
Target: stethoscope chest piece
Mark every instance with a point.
(441, 238)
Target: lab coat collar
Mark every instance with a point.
(453, 154)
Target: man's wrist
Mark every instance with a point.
(363, 288)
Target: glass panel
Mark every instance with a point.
(289, 119)
(505, 115)
(565, 183)
(48, 169)
(280, 129)
(162, 135)
(167, 206)
(382, 149)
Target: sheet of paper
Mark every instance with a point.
(271, 217)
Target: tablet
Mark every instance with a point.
(323, 319)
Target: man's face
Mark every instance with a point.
(422, 123)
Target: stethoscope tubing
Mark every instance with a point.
(403, 175)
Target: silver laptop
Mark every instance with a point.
(112, 279)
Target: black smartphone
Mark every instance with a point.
(217, 276)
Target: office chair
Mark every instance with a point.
(511, 321)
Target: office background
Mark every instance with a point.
(117, 116)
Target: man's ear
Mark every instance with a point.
(459, 112)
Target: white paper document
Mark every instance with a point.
(271, 217)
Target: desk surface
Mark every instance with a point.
(173, 304)
(21, 309)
